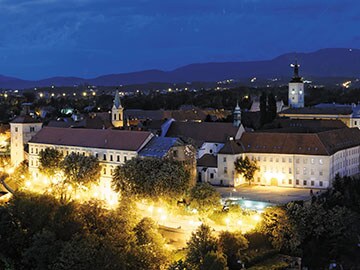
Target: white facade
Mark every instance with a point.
(208, 175)
(286, 170)
(296, 94)
(109, 159)
(21, 133)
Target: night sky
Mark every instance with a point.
(87, 38)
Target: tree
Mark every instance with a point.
(204, 198)
(80, 170)
(272, 109)
(150, 251)
(214, 261)
(246, 168)
(200, 244)
(263, 108)
(152, 178)
(230, 244)
(50, 160)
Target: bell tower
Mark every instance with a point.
(117, 112)
(296, 89)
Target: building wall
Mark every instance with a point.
(302, 171)
(296, 95)
(21, 133)
(109, 159)
(208, 175)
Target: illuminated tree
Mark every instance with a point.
(214, 261)
(153, 178)
(80, 170)
(50, 160)
(204, 198)
(246, 168)
(200, 244)
(231, 244)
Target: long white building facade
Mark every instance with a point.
(111, 147)
(306, 160)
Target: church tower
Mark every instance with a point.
(237, 115)
(296, 89)
(117, 112)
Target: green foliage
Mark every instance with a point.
(204, 198)
(152, 178)
(200, 244)
(38, 232)
(80, 169)
(214, 261)
(231, 244)
(246, 168)
(50, 160)
(280, 229)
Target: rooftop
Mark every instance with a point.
(202, 131)
(23, 119)
(322, 143)
(158, 147)
(207, 160)
(92, 138)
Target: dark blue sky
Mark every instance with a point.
(87, 38)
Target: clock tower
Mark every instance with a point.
(296, 89)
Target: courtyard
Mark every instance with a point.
(270, 194)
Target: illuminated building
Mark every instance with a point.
(308, 160)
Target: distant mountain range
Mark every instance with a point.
(322, 63)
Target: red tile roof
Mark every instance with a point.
(322, 143)
(92, 138)
(202, 131)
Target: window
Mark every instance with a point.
(320, 183)
(114, 116)
(36, 150)
(304, 171)
(264, 158)
(175, 153)
(283, 181)
(224, 159)
(111, 157)
(96, 155)
(320, 161)
(225, 170)
(32, 129)
(125, 158)
(312, 171)
(16, 129)
(32, 150)
(290, 181)
(305, 183)
(277, 160)
(305, 160)
(320, 172)
(211, 151)
(104, 170)
(297, 160)
(211, 176)
(118, 158)
(297, 171)
(290, 160)
(290, 171)
(104, 157)
(312, 161)
(283, 159)
(312, 183)
(297, 181)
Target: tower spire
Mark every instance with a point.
(296, 77)
(117, 102)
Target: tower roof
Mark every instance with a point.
(117, 102)
(296, 77)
